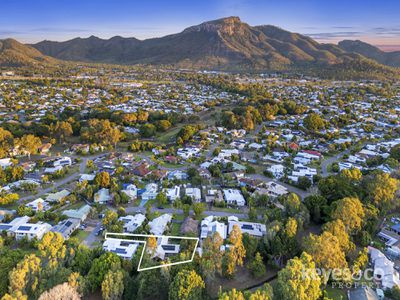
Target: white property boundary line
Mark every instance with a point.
(157, 236)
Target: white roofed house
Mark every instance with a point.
(277, 170)
(209, 226)
(5, 162)
(9, 228)
(87, 177)
(131, 223)
(253, 229)
(57, 197)
(31, 231)
(130, 191)
(102, 196)
(159, 225)
(275, 189)
(150, 191)
(164, 248)
(384, 269)
(193, 193)
(123, 248)
(38, 205)
(234, 197)
(173, 193)
(63, 161)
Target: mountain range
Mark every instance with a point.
(15, 54)
(224, 44)
(372, 52)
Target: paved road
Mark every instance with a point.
(63, 181)
(325, 163)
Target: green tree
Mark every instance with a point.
(112, 287)
(382, 190)
(313, 122)
(102, 179)
(161, 199)
(294, 284)
(61, 292)
(111, 222)
(100, 267)
(326, 252)
(236, 252)
(198, 209)
(257, 266)
(211, 259)
(231, 295)
(29, 143)
(351, 212)
(187, 285)
(61, 130)
(338, 229)
(317, 205)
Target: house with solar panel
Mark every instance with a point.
(31, 231)
(253, 229)
(10, 228)
(123, 248)
(131, 223)
(66, 227)
(165, 248)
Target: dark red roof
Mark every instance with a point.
(313, 152)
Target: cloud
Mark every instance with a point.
(10, 32)
(334, 35)
(58, 30)
(386, 31)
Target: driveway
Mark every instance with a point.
(92, 237)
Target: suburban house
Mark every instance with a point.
(193, 193)
(102, 196)
(123, 248)
(150, 192)
(213, 195)
(38, 205)
(384, 269)
(57, 197)
(253, 229)
(66, 227)
(131, 223)
(81, 214)
(209, 226)
(10, 228)
(278, 170)
(31, 231)
(164, 248)
(234, 197)
(159, 225)
(173, 193)
(131, 191)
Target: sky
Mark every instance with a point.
(329, 21)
